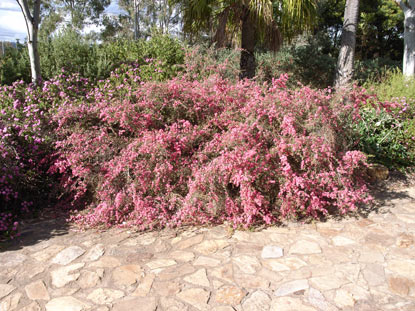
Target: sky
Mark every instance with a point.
(12, 24)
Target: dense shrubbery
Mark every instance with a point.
(185, 151)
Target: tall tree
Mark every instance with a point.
(344, 71)
(256, 20)
(408, 8)
(32, 24)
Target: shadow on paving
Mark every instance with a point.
(35, 231)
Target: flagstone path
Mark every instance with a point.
(347, 264)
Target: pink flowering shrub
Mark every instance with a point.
(183, 151)
(26, 137)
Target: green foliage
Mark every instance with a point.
(72, 52)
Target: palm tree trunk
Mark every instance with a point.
(344, 72)
(247, 63)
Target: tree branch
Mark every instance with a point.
(27, 16)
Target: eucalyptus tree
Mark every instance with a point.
(32, 19)
(256, 20)
(345, 62)
(408, 8)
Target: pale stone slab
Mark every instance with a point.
(145, 286)
(88, 279)
(251, 281)
(31, 307)
(170, 304)
(292, 287)
(182, 256)
(190, 242)
(328, 282)
(166, 288)
(95, 253)
(6, 289)
(272, 251)
(142, 304)
(37, 290)
(230, 295)
(210, 246)
(224, 273)
(161, 263)
(289, 304)
(344, 299)
(316, 299)
(11, 259)
(11, 302)
(304, 247)
(106, 262)
(206, 261)
(47, 253)
(374, 274)
(68, 255)
(247, 264)
(64, 275)
(258, 301)
(198, 278)
(66, 304)
(405, 268)
(127, 275)
(197, 297)
(102, 296)
(342, 241)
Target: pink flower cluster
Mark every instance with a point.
(155, 154)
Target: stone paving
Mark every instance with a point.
(354, 263)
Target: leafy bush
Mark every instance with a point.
(187, 151)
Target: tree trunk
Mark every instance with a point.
(32, 25)
(247, 63)
(344, 71)
(136, 19)
(408, 9)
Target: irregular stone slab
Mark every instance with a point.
(196, 297)
(160, 263)
(32, 307)
(68, 255)
(37, 290)
(210, 246)
(198, 278)
(166, 288)
(88, 279)
(304, 247)
(342, 241)
(174, 272)
(189, 242)
(64, 275)
(316, 299)
(11, 302)
(65, 291)
(400, 285)
(251, 281)
(47, 253)
(127, 275)
(106, 262)
(206, 261)
(259, 301)
(405, 268)
(230, 295)
(374, 274)
(272, 251)
(405, 240)
(182, 256)
(291, 287)
(247, 264)
(66, 304)
(6, 289)
(224, 273)
(145, 285)
(143, 304)
(170, 304)
(371, 256)
(95, 253)
(328, 282)
(11, 259)
(102, 296)
(344, 299)
(289, 304)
